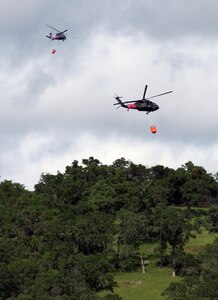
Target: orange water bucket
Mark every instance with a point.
(153, 129)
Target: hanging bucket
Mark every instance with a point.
(53, 51)
(153, 129)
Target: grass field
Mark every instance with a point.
(147, 286)
(150, 286)
(196, 244)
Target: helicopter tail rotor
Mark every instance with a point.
(119, 102)
(49, 36)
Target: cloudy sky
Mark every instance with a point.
(59, 108)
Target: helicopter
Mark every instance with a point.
(60, 36)
(143, 104)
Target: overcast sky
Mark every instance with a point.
(59, 108)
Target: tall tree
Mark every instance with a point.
(130, 233)
(200, 188)
(173, 227)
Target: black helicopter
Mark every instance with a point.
(142, 105)
(58, 36)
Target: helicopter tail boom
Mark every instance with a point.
(119, 102)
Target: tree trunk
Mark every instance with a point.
(117, 255)
(174, 267)
(142, 264)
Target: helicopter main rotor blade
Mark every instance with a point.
(145, 91)
(144, 99)
(63, 31)
(53, 28)
(159, 95)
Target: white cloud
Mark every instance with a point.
(32, 158)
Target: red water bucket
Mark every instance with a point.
(153, 129)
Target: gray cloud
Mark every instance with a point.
(57, 108)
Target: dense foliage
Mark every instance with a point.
(202, 280)
(67, 238)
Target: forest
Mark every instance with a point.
(68, 238)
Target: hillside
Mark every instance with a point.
(82, 232)
(150, 286)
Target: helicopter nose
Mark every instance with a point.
(156, 107)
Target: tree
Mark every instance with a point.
(9, 192)
(173, 227)
(213, 219)
(156, 193)
(100, 196)
(130, 233)
(200, 188)
(8, 284)
(93, 232)
(175, 181)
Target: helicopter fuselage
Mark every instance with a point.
(143, 105)
(60, 37)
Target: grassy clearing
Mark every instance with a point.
(150, 286)
(147, 286)
(196, 244)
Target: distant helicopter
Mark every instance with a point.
(142, 105)
(60, 36)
